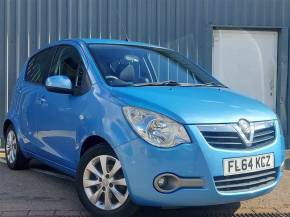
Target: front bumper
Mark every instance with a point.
(142, 162)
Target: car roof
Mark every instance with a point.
(106, 41)
(85, 41)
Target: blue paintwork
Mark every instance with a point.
(54, 130)
(187, 160)
(196, 105)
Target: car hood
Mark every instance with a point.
(195, 105)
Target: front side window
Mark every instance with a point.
(67, 63)
(39, 65)
(124, 65)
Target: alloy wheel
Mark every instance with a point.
(104, 183)
(11, 146)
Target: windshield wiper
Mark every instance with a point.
(213, 84)
(164, 83)
(175, 83)
(210, 84)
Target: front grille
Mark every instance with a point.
(229, 140)
(264, 136)
(246, 182)
(227, 137)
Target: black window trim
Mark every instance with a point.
(35, 56)
(84, 88)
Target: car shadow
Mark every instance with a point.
(222, 210)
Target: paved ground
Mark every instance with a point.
(41, 192)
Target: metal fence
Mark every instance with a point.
(184, 25)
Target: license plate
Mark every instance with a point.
(234, 166)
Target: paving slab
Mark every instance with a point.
(68, 213)
(265, 210)
(244, 211)
(41, 213)
(14, 213)
(284, 210)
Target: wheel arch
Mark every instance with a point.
(6, 124)
(10, 121)
(92, 141)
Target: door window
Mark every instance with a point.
(39, 65)
(68, 63)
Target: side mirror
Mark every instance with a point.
(59, 84)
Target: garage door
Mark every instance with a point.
(246, 61)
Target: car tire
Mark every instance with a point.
(14, 156)
(104, 194)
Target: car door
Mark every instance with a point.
(37, 67)
(59, 114)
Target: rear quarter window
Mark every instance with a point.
(39, 65)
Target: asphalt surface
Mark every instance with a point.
(40, 191)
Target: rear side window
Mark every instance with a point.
(39, 65)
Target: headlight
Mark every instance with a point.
(155, 128)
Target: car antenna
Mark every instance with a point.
(123, 28)
(125, 31)
(126, 37)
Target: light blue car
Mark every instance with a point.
(138, 124)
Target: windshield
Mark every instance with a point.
(125, 65)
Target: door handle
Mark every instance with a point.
(41, 100)
(19, 90)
